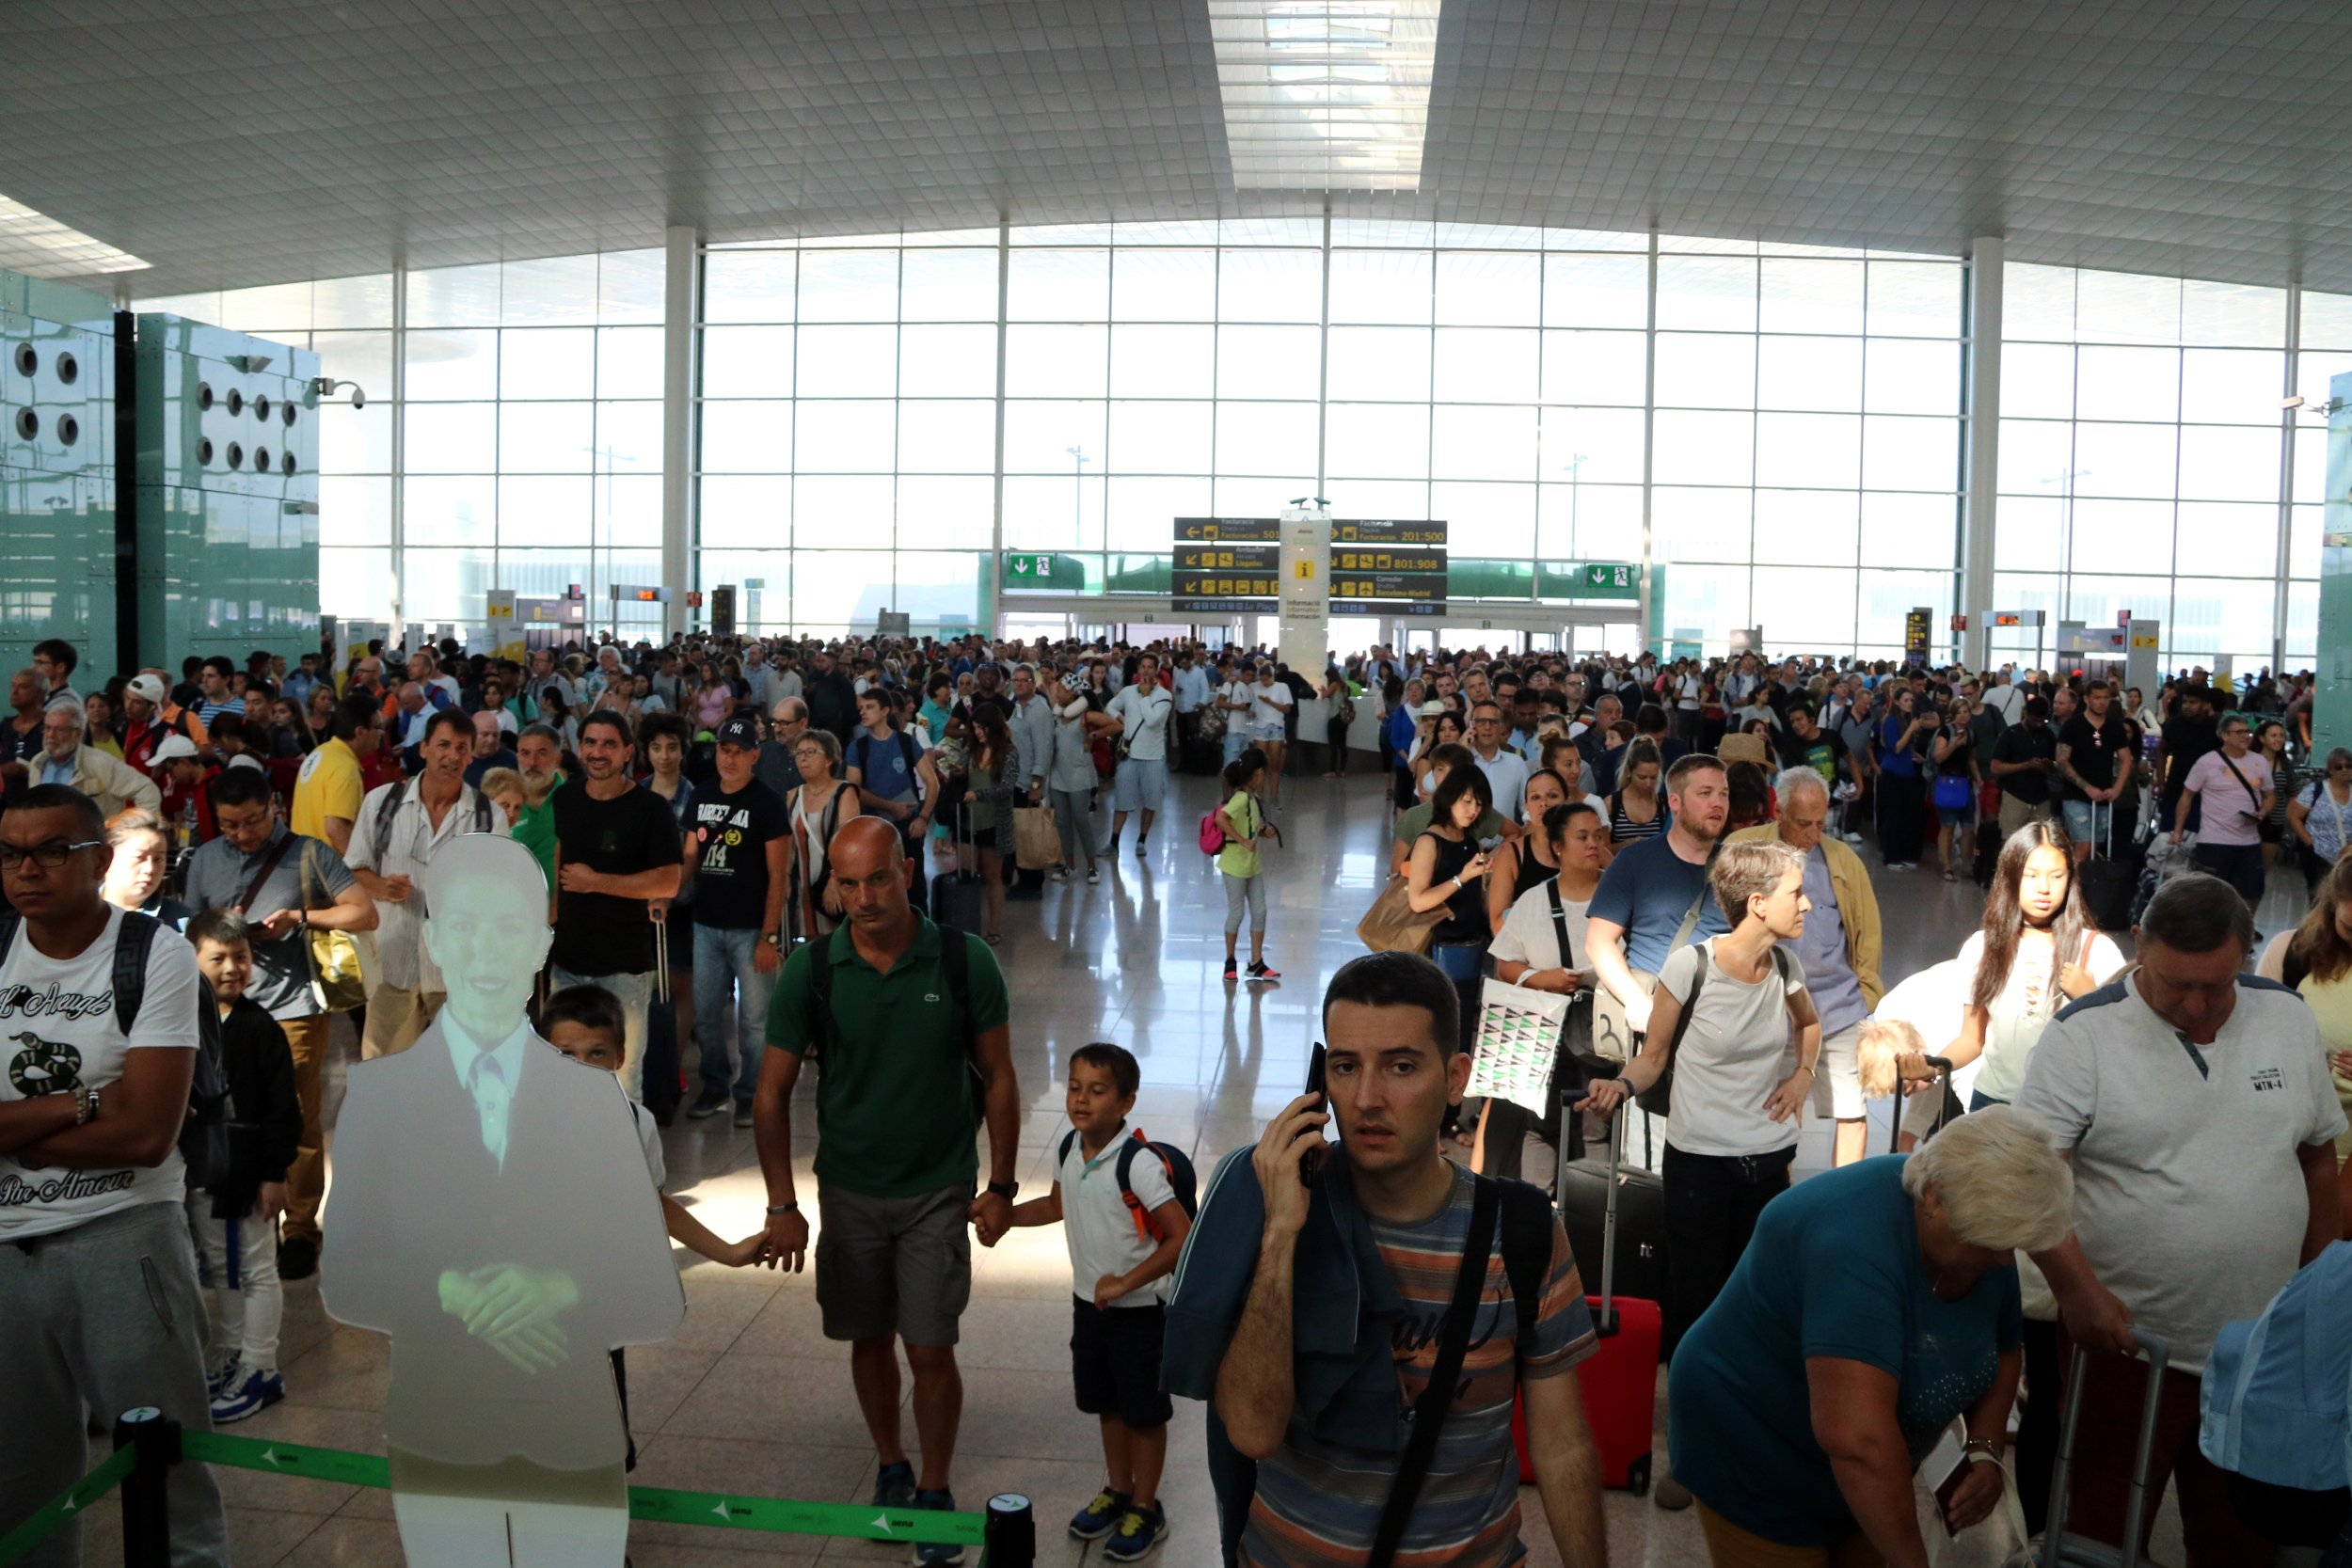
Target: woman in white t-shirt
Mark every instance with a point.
(1528, 951)
(1731, 1134)
(1270, 719)
(2038, 949)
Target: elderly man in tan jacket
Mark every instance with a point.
(1839, 949)
(63, 759)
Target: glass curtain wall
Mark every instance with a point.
(1784, 421)
(2143, 450)
(1806, 461)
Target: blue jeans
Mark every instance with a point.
(634, 992)
(723, 968)
(2089, 822)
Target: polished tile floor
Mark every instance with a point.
(748, 1396)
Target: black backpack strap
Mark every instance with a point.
(1470, 1287)
(911, 756)
(1691, 1003)
(10, 921)
(820, 992)
(1061, 1155)
(1527, 1228)
(134, 938)
(385, 813)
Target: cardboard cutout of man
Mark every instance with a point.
(492, 1214)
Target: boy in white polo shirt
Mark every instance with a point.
(1121, 1252)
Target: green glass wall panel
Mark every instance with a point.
(227, 470)
(57, 471)
(2331, 705)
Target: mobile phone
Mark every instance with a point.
(1310, 1163)
(1489, 844)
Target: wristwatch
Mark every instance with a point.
(793, 1208)
(773, 939)
(1006, 1190)
(85, 1108)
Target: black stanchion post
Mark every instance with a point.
(146, 1510)
(1012, 1532)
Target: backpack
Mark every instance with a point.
(862, 748)
(1181, 1177)
(381, 833)
(955, 961)
(1657, 1100)
(204, 1137)
(1212, 835)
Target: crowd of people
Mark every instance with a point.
(765, 853)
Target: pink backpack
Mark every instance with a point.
(1212, 837)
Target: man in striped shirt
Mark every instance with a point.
(1391, 1216)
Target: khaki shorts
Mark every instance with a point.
(894, 1265)
(1837, 1087)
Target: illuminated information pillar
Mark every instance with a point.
(1303, 592)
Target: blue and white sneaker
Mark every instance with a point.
(1138, 1536)
(937, 1551)
(893, 1486)
(252, 1393)
(228, 1371)
(1099, 1517)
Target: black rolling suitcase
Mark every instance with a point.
(2109, 884)
(1640, 1261)
(958, 897)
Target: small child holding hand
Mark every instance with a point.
(1120, 1256)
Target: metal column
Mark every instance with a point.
(1649, 451)
(399, 606)
(991, 591)
(1982, 432)
(2287, 418)
(681, 300)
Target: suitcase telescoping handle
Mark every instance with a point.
(1608, 1324)
(2158, 1353)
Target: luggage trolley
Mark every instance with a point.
(2059, 1549)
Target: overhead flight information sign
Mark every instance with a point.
(1226, 566)
(1388, 567)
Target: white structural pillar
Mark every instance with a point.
(1305, 641)
(1983, 434)
(681, 299)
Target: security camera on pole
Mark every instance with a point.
(1305, 583)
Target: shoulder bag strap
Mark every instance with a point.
(2251, 793)
(1698, 905)
(269, 864)
(1560, 923)
(1470, 1285)
(1690, 1003)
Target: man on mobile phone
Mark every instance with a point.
(1306, 1423)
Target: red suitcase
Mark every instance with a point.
(1619, 1380)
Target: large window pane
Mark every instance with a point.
(1911, 530)
(545, 437)
(1141, 509)
(2124, 459)
(542, 509)
(1055, 361)
(847, 361)
(1488, 289)
(1164, 285)
(948, 286)
(1058, 286)
(1900, 453)
(452, 438)
(1909, 375)
(1815, 451)
(1271, 438)
(1810, 296)
(946, 511)
(2128, 383)
(556, 290)
(1496, 521)
(946, 361)
(2217, 539)
(1596, 290)
(1038, 435)
(1269, 285)
(1160, 438)
(2126, 308)
(941, 437)
(1162, 362)
(2037, 381)
(1386, 286)
(1809, 374)
(1471, 442)
(1699, 525)
(1705, 370)
(1702, 448)
(856, 583)
(835, 510)
(848, 286)
(746, 437)
(629, 362)
(1589, 522)
(1485, 364)
(1373, 440)
(1914, 299)
(1048, 513)
(449, 511)
(749, 285)
(1594, 367)
(449, 366)
(1592, 445)
(1268, 362)
(2232, 386)
(857, 437)
(1379, 363)
(1805, 527)
(1709, 293)
(2220, 463)
(747, 362)
(1810, 606)
(745, 510)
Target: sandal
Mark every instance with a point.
(1950, 877)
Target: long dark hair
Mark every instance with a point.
(2316, 943)
(1458, 783)
(995, 737)
(2005, 922)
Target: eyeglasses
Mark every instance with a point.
(49, 856)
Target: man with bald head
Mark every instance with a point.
(490, 748)
(774, 768)
(911, 1021)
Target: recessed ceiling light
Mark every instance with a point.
(1325, 95)
(39, 245)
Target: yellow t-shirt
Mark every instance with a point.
(1239, 857)
(328, 785)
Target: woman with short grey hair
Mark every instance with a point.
(1876, 1303)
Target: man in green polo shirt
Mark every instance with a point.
(539, 755)
(907, 1074)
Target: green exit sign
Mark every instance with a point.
(1029, 568)
(1611, 576)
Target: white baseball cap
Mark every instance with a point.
(172, 748)
(148, 688)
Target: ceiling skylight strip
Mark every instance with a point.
(1325, 95)
(39, 245)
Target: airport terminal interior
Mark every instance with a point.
(1710, 358)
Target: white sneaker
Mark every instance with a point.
(1061, 874)
(1094, 876)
